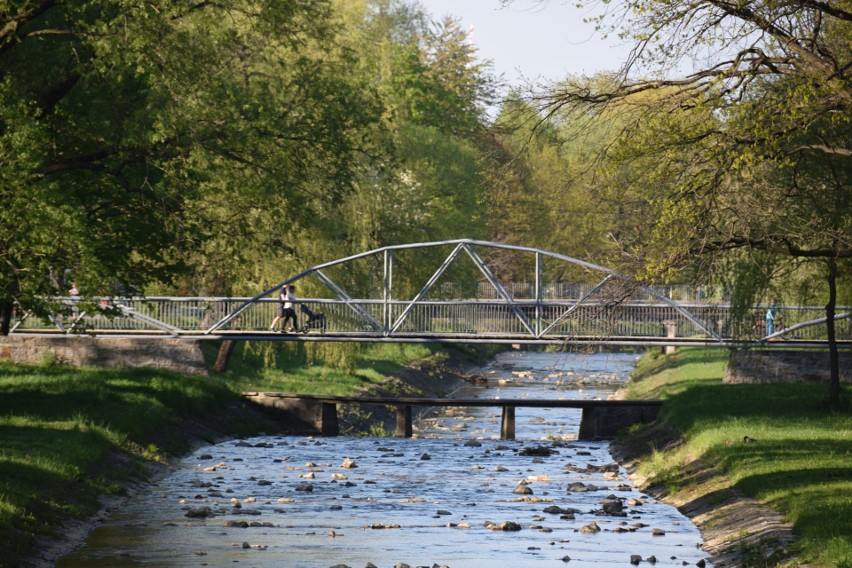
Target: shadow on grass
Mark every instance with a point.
(45, 471)
(817, 499)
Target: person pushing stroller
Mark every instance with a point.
(286, 310)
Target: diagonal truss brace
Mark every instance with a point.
(577, 304)
(425, 290)
(800, 325)
(362, 313)
(153, 322)
(477, 260)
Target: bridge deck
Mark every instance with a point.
(434, 337)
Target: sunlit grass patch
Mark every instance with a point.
(59, 426)
(288, 368)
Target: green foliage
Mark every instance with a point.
(746, 157)
(136, 146)
(750, 152)
(553, 191)
(316, 368)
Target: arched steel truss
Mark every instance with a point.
(538, 317)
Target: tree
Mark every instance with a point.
(547, 191)
(752, 151)
(434, 93)
(131, 134)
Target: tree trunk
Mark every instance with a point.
(224, 356)
(6, 307)
(834, 360)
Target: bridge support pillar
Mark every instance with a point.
(507, 423)
(328, 420)
(670, 329)
(403, 421)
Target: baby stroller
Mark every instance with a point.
(314, 321)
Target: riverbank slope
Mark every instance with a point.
(764, 471)
(76, 443)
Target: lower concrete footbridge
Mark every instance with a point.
(450, 291)
(601, 419)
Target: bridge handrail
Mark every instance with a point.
(178, 315)
(473, 301)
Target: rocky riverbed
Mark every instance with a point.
(292, 501)
(743, 518)
(455, 496)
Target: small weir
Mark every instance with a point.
(454, 495)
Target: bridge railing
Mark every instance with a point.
(682, 293)
(482, 317)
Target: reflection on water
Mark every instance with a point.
(319, 502)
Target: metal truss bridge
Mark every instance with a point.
(448, 291)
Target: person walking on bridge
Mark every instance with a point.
(290, 309)
(282, 300)
(286, 309)
(771, 315)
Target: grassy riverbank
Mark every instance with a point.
(777, 444)
(69, 436)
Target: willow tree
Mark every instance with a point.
(434, 92)
(752, 150)
(131, 134)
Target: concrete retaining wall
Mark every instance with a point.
(299, 414)
(603, 423)
(782, 366)
(85, 351)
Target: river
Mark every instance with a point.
(440, 498)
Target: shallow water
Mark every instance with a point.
(421, 501)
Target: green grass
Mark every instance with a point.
(58, 428)
(801, 463)
(304, 368)
(61, 428)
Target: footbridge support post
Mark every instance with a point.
(404, 428)
(329, 426)
(507, 423)
(670, 329)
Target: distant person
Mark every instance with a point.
(75, 297)
(772, 314)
